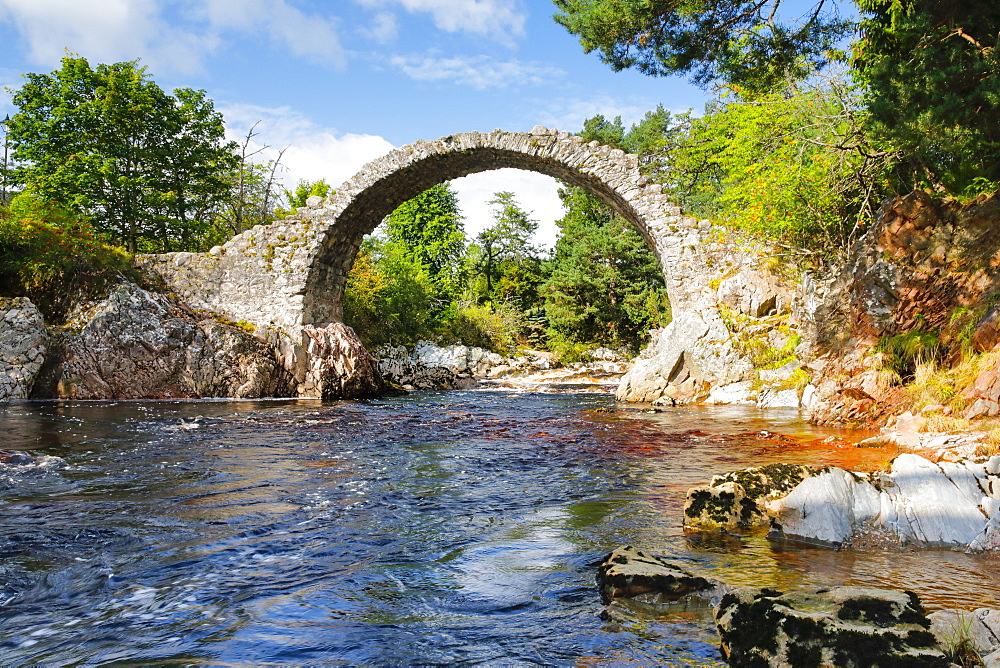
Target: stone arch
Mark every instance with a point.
(292, 272)
(364, 201)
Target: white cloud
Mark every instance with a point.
(479, 72)
(310, 36)
(115, 30)
(500, 19)
(535, 193)
(105, 30)
(311, 152)
(384, 28)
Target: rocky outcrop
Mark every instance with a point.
(842, 626)
(339, 366)
(926, 266)
(732, 339)
(916, 502)
(139, 344)
(739, 500)
(23, 344)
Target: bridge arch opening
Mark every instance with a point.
(363, 202)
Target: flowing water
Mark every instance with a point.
(432, 529)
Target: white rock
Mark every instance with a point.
(826, 507)
(734, 393)
(771, 398)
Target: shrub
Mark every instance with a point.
(55, 259)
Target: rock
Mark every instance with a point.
(917, 501)
(735, 393)
(23, 344)
(826, 508)
(751, 293)
(628, 572)
(843, 626)
(955, 627)
(987, 333)
(740, 499)
(683, 360)
(772, 398)
(982, 408)
(138, 344)
(339, 365)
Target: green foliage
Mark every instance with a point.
(430, 228)
(902, 353)
(604, 285)
(503, 255)
(490, 326)
(108, 143)
(303, 191)
(52, 257)
(790, 166)
(744, 43)
(389, 295)
(931, 71)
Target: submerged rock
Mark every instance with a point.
(628, 572)
(23, 344)
(843, 626)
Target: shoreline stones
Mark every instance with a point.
(812, 626)
(916, 503)
(841, 626)
(23, 346)
(740, 499)
(627, 573)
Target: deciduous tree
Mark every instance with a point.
(145, 166)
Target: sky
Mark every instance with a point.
(338, 83)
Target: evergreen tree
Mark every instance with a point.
(604, 285)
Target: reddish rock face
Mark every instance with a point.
(927, 265)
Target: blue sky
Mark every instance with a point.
(342, 82)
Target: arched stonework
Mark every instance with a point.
(292, 272)
(287, 279)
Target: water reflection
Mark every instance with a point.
(435, 528)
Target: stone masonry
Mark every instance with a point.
(291, 274)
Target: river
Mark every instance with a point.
(439, 528)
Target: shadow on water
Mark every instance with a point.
(436, 528)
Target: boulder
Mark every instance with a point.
(740, 499)
(136, 344)
(919, 502)
(23, 344)
(826, 508)
(916, 502)
(683, 361)
(628, 572)
(339, 365)
(842, 626)
(957, 628)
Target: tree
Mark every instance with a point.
(388, 295)
(604, 284)
(303, 191)
(504, 245)
(791, 166)
(931, 73)
(430, 229)
(746, 43)
(145, 166)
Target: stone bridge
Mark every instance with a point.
(290, 275)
